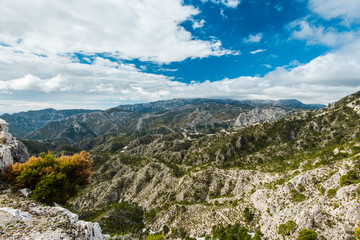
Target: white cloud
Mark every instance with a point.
(267, 65)
(198, 24)
(253, 38)
(148, 30)
(144, 29)
(348, 10)
(34, 83)
(258, 51)
(106, 84)
(313, 34)
(227, 3)
(231, 3)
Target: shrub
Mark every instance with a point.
(165, 229)
(156, 236)
(349, 178)
(357, 232)
(123, 218)
(296, 196)
(231, 232)
(51, 179)
(331, 192)
(306, 234)
(248, 215)
(287, 228)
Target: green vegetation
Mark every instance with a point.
(122, 218)
(248, 215)
(287, 228)
(35, 148)
(156, 236)
(332, 192)
(119, 219)
(51, 179)
(350, 177)
(296, 196)
(233, 232)
(306, 234)
(357, 232)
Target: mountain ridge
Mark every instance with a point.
(161, 117)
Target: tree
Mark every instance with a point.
(306, 234)
(51, 179)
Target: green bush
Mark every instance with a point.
(349, 178)
(248, 215)
(306, 234)
(231, 232)
(296, 196)
(332, 192)
(51, 179)
(287, 228)
(123, 218)
(156, 236)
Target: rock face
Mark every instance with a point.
(11, 150)
(21, 218)
(258, 115)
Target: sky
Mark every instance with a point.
(98, 54)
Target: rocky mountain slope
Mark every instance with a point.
(25, 122)
(162, 117)
(299, 172)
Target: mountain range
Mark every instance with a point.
(80, 128)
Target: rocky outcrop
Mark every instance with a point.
(21, 218)
(11, 150)
(258, 115)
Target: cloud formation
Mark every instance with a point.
(318, 34)
(347, 10)
(39, 67)
(253, 38)
(227, 3)
(257, 51)
(144, 29)
(105, 83)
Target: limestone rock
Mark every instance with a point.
(258, 115)
(25, 191)
(22, 218)
(11, 150)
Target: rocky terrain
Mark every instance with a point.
(21, 218)
(11, 150)
(187, 168)
(301, 171)
(207, 197)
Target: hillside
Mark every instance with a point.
(194, 116)
(24, 122)
(299, 172)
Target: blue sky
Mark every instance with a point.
(99, 54)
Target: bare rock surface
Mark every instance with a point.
(21, 218)
(258, 115)
(11, 150)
